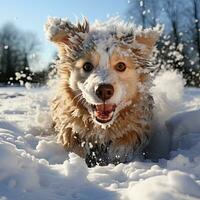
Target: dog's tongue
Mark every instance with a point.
(104, 108)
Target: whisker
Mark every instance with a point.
(83, 101)
(77, 96)
(80, 98)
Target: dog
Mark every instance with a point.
(103, 107)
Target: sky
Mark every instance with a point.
(32, 15)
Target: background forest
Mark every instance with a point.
(178, 47)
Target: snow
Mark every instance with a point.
(173, 185)
(34, 166)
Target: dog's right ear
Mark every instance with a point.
(147, 38)
(63, 32)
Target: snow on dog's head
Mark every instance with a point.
(104, 77)
(102, 62)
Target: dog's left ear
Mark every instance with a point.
(146, 40)
(63, 32)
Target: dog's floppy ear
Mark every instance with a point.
(146, 40)
(63, 32)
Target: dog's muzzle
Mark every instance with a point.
(104, 112)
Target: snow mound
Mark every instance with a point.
(174, 185)
(34, 166)
(168, 93)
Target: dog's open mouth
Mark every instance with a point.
(103, 112)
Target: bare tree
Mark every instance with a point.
(171, 11)
(197, 25)
(179, 46)
(135, 12)
(16, 48)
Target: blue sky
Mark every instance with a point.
(31, 15)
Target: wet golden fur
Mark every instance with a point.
(130, 132)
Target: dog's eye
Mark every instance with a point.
(88, 67)
(120, 67)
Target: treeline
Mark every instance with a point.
(18, 49)
(179, 45)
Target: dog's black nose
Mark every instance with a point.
(105, 91)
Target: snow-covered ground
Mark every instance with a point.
(36, 167)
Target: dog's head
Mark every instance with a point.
(105, 63)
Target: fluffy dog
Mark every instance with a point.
(103, 107)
